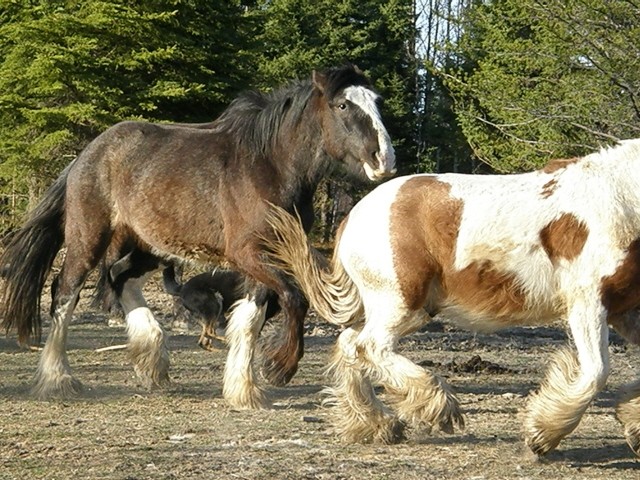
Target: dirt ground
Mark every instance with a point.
(117, 430)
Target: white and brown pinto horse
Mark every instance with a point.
(198, 193)
(489, 251)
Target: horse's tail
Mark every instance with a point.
(27, 260)
(330, 290)
(170, 282)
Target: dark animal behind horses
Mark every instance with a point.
(208, 297)
(201, 195)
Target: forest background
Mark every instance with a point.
(471, 86)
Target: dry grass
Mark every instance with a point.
(116, 430)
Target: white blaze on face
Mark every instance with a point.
(366, 100)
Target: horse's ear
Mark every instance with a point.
(319, 80)
(357, 69)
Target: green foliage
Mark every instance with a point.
(302, 35)
(69, 69)
(546, 79)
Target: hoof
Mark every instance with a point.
(155, 381)
(541, 443)
(277, 375)
(632, 434)
(394, 433)
(448, 425)
(385, 430)
(250, 398)
(63, 387)
(433, 406)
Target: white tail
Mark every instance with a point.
(328, 287)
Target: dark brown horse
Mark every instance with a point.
(199, 194)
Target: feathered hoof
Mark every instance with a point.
(62, 387)
(154, 383)
(155, 379)
(250, 398)
(453, 421)
(541, 442)
(428, 408)
(385, 429)
(152, 367)
(632, 434)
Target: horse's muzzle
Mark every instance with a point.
(386, 166)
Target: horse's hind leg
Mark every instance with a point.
(628, 408)
(571, 382)
(419, 397)
(360, 416)
(53, 377)
(147, 341)
(628, 412)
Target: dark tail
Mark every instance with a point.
(27, 260)
(171, 285)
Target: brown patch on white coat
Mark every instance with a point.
(424, 225)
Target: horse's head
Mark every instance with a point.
(353, 131)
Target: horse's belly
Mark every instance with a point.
(489, 321)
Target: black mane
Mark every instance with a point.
(255, 118)
(342, 77)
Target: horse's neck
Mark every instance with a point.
(305, 163)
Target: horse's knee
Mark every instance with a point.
(556, 408)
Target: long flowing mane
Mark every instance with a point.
(255, 118)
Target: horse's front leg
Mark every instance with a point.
(147, 341)
(241, 389)
(572, 381)
(281, 353)
(240, 385)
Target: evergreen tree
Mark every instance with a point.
(69, 69)
(546, 79)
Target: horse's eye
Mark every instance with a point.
(342, 106)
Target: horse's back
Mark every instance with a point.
(160, 182)
(495, 249)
